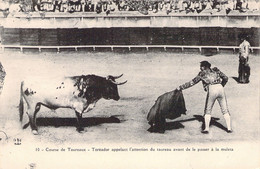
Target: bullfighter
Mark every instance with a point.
(213, 81)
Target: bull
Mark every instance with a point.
(79, 93)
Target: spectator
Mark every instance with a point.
(83, 5)
(191, 7)
(185, 5)
(244, 5)
(78, 7)
(198, 6)
(15, 7)
(99, 7)
(238, 5)
(168, 8)
(4, 7)
(160, 6)
(64, 6)
(229, 6)
(208, 5)
(50, 6)
(56, 5)
(155, 7)
(112, 6)
(36, 5)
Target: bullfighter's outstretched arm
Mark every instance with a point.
(191, 83)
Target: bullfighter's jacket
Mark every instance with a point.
(214, 76)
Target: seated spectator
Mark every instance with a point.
(185, 5)
(208, 8)
(223, 5)
(198, 6)
(36, 5)
(74, 6)
(180, 5)
(4, 5)
(229, 6)
(44, 5)
(122, 5)
(110, 7)
(208, 5)
(89, 7)
(155, 7)
(168, 8)
(15, 7)
(56, 5)
(64, 6)
(238, 5)
(203, 4)
(50, 7)
(4, 8)
(92, 6)
(99, 7)
(245, 5)
(83, 5)
(104, 6)
(160, 6)
(25, 6)
(191, 7)
(78, 7)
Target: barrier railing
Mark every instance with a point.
(112, 47)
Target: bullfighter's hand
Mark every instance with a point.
(178, 88)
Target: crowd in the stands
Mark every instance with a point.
(143, 6)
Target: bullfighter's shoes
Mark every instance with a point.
(229, 131)
(205, 131)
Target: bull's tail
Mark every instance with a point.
(21, 105)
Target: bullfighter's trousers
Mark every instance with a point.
(216, 92)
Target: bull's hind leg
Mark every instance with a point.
(32, 117)
(79, 122)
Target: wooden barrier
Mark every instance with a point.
(11, 36)
(203, 36)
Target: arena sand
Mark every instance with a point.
(149, 75)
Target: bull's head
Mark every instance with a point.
(111, 88)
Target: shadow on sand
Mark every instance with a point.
(236, 79)
(86, 122)
(178, 124)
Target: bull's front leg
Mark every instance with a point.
(79, 122)
(32, 118)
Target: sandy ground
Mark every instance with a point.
(149, 75)
(123, 124)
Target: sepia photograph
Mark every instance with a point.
(129, 84)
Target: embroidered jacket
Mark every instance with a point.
(214, 76)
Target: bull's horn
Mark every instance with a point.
(116, 83)
(116, 77)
